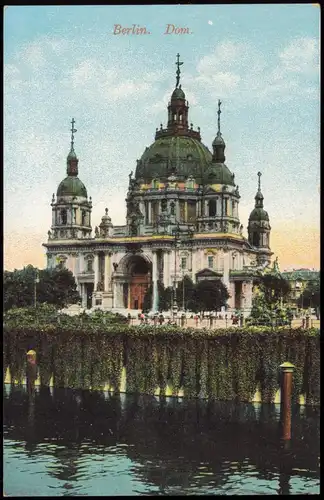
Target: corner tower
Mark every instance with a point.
(259, 226)
(71, 210)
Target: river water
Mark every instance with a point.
(61, 442)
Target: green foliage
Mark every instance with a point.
(210, 295)
(222, 364)
(165, 297)
(148, 300)
(312, 372)
(311, 295)
(189, 376)
(54, 286)
(274, 287)
(187, 289)
(267, 306)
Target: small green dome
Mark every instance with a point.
(218, 141)
(259, 214)
(218, 173)
(178, 93)
(72, 186)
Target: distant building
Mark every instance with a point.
(298, 279)
(182, 219)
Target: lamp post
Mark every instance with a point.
(36, 280)
(183, 291)
(177, 232)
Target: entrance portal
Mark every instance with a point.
(140, 280)
(238, 294)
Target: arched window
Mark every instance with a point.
(90, 265)
(212, 208)
(255, 239)
(63, 216)
(84, 216)
(61, 262)
(172, 208)
(210, 261)
(180, 118)
(226, 206)
(174, 117)
(233, 207)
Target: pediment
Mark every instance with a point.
(208, 273)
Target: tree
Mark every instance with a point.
(310, 296)
(165, 297)
(148, 299)
(274, 288)
(267, 308)
(55, 286)
(186, 290)
(211, 295)
(58, 286)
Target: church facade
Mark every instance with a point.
(182, 220)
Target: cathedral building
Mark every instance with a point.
(182, 220)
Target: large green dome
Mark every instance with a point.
(72, 186)
(259, 214)
(187, 155)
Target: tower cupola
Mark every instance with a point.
(71, 211)
(259, 225)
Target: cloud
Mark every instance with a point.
(239, 71)
(301, 56)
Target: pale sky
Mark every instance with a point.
(61, 62)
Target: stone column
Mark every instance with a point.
(107, 272)
(114, 284)
(155, 298)
(120, 296)
(248, 297)
(226, 269)
(77, 264)
(150, 212)
(231, 301)
(166, 272)
(194, 256)
(96, 271)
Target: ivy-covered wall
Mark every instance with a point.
(216, 364)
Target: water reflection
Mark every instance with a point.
(81, 443)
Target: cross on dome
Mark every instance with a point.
(178, 64)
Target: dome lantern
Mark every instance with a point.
(178, 108)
